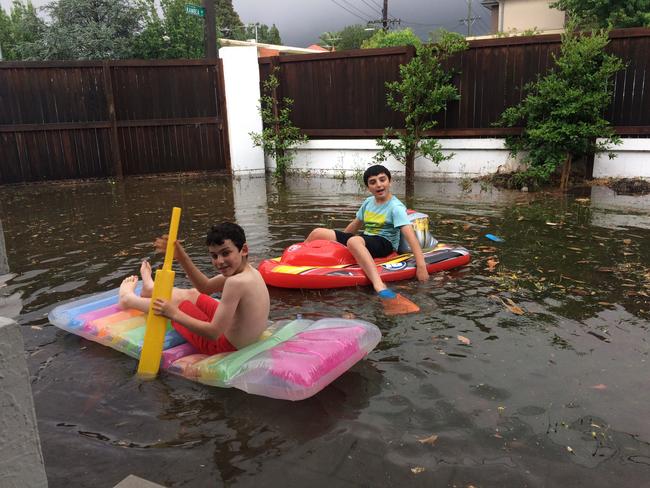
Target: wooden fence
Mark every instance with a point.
(343, 94)
(91, 119)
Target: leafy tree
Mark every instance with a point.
(381, 38)
(329, 40)
(424, 89)
(607, 13)
(562, 112)
(350, 37)
(265, 34)
(90, 29)
(19, 31)
(279, 135)
(176, 34)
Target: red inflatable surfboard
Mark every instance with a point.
(327, 264)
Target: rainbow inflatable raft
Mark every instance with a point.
(293, 360)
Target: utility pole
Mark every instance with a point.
(210, 30)
(469, 20)
(385, 21)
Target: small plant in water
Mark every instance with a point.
(279, 136)
(465, 184)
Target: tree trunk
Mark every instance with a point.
(410, 174)
(566, 172)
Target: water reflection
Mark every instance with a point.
(558, 393)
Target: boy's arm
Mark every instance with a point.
(354, 226)
(199, 280)
(421, 266)
(223, 318)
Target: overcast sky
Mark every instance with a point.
(302, 21)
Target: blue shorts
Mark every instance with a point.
(377, 246)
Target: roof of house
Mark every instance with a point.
(264, 49)
(316, 47)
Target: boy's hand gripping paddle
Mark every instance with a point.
(157, 324)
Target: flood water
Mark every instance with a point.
(556, 396)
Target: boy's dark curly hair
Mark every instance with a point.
(226, 230)
(375, 170)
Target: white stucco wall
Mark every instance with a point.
(522, 15)
(242, 79)
(21, 459)
(471, 157)
(632, 160)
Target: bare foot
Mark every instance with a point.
(147, 281)
(127, 291)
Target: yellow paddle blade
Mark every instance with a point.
(163, 284)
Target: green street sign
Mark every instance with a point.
(194, 10)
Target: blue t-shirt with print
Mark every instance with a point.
(384, 219)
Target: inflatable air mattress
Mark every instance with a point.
(293, 360)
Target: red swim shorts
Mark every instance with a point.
(203, 309)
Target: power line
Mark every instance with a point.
(349, 11)
(372, 7)
(349, 4)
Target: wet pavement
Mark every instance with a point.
(529, 367)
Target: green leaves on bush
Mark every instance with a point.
(562, 114)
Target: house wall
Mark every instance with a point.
(521, 15)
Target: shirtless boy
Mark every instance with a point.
(384, 218)
(211, 326)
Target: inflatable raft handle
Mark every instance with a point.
(154, 335)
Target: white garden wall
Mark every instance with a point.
(338, 157)
(471, 157)
(632, 160)
(242, 86)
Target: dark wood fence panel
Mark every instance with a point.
(51, 96)
(343, 94)
(343, 90)
(91, 119)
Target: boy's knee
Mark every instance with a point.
(356, 242)
(318, 233)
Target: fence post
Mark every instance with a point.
(276, 93)
(242, 87)
(110, 105)
(222, 112)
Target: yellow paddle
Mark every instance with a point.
(156, 324)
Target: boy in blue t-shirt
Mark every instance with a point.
(383, 217)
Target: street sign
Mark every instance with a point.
(194, 10)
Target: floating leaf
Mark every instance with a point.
(568, 448)
(552, 223)
(417, 470)
(627, 242)
(512, 306)
(464, 340)
(599, 386)
(429, 440)
(582, 200)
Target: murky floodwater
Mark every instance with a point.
(558, 396)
